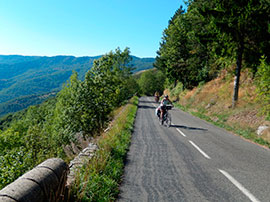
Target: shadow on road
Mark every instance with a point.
(146, 107)
(144, 101)
(188, 128)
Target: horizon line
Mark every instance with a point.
(67, 55)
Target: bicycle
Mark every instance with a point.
(156, 99)
(167, 118)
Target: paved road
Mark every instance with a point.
(191, 161)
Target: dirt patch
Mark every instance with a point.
(247, 118)
(266, 135)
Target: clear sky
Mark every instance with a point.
(83, 27)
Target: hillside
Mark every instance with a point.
(213, 101)
(83, 108)
(26, 75)
(23, 102)
(24, 79)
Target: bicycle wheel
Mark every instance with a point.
(160, 121)
(168, 120)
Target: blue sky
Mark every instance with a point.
(83, 27)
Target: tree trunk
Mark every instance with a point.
(237, 73)
(175, 83)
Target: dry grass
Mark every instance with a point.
(214, 99)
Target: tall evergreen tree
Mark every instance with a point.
(245, 25)
(173, 48)
(184, 51)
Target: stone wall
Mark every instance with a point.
(45, 182)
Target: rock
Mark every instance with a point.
(212, 102)
(261, 129)
(266, 134)
(208, 106)
(85, 155)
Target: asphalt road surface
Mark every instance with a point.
(191, 161)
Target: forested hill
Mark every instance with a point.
(25, 76)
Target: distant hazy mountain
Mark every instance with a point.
(23, 77)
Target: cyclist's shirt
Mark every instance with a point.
(165, 102)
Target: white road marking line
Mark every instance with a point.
(239, 186)
(201, 151)
(181, 132)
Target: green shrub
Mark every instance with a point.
(80, 107)
(151, 81)
(263, 86)
(99, 179)
(177, 90)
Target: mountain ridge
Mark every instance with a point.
(25, 76)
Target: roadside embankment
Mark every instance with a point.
(94, 175)
(98, 178)
(212, 101)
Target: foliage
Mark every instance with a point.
(151, 81)
(244, 25)
(212, 35)
(263, 86)
(99, 179)
(42, 131)
(183, 51)
(7, 120)
(25, 79)
(175, 92)
(23, 102)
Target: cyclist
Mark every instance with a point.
(165, 101)
(156, 96)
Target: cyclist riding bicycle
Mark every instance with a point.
(157, 96)
(162, 108)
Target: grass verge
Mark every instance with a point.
(246, 133)
(99, 179)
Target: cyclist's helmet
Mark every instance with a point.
(166, 96)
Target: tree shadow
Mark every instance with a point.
(146, 107)
(144, 101)
(188, 128)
